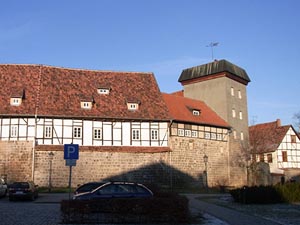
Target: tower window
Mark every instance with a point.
(232, 91)
(233, 113)
(239, 94)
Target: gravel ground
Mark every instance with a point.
(287, 214)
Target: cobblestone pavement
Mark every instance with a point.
(46, 211)
(287, 214)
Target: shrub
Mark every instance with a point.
(289, 192)
(166, 208)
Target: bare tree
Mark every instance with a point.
(297, 118)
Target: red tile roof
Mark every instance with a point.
(266, 137)
(57, 92)
(181, 109)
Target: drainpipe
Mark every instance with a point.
(35, 121)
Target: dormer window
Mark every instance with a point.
(196, 112)
(103, 91)
(86, 105)
(15, 101)
(86, 102)
(17, 96)
(133, 104)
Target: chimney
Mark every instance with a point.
(278, 123)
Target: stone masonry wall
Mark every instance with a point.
(187, 157)
(184, 166)
(96, 166)
(16, 160)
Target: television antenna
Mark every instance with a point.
(212, 45)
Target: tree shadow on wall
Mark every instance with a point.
(160, 175)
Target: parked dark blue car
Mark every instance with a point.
(116, 190)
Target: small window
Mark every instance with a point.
(97, 133)
(180, 132)
(234, 134)
(194, 133)
(213, 136)
(132, 106)
(77, 132)
(187, 133)
(284, 156)
(135, 134)
(269, 158)
(232, 91)
(86, 105)
(196, 112)
(233, 113)
(207, 135)
(103, 91)
(14, 131)
(293, 138)
(15, 101)
(48, 132)
(154, 134)
(242, 136)
(239, 94)
(241, 115)
(219, 137)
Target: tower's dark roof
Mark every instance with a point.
(217, 66)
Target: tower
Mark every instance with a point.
(222, 86)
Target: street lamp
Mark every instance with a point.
(205, 159)
(51, 155)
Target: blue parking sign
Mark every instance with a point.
(71, 151)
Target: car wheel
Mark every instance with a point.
(10, 198)
(32, 197)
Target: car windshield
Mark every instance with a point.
(88, 187)
(20, 185)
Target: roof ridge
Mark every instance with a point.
(76, 69)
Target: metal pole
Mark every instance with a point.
(50, 176)
(70, 181)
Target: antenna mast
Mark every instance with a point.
(212, 45)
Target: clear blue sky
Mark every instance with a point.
(165, 37)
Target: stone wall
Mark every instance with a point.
(187, 157)
(16, 160)
(184, 166)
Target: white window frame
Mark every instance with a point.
(132, 106)
(194, 133)
(196, 112)
(187, 133)
(241, 115)
(154, 134)
(135, 134)
(97, 133)
(219, 137)
(77, 132)
(207, 135)
(14, 131)
(48, 132)
(213, 136)
(103, 91)
(15, 101)
(181, 132)
(86, 105)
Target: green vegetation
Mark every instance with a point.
(289, 192)
(165, 208)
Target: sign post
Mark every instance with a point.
(71, 154)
